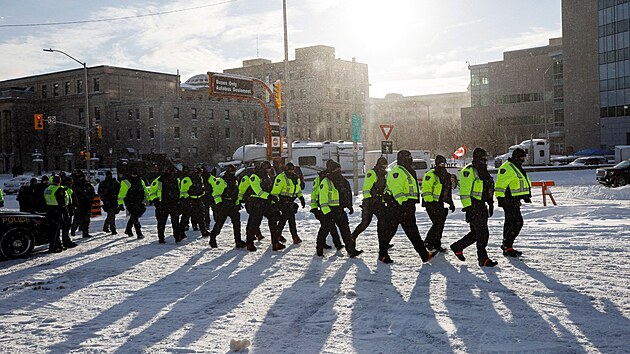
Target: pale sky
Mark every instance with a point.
(412, 47)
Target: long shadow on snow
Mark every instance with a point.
(607, 331)
(474, 305)
(301, 319)
(202, 303)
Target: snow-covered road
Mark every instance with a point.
(568, 294)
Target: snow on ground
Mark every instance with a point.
(568, 294)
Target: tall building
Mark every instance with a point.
(138, 112)
(322, 91)
(517, 98)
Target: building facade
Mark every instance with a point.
(322, 92)
(137, 112)
(425, 122)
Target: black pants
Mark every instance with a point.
(335, 218)
(197, 215)
(110, 220)
(369, 209)
(208, 203)
(260, 208)
(224, 210)
(513, 224)
(477, 218)
(186, 212)
(162, 214)
(334, 234)
(437, 213)
(287, 213)
(135, 212)
(405, 216)
(81, 219)
(54, 221)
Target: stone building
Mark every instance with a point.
(138, 112)
(322, 92)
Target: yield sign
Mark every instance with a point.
(386, 129)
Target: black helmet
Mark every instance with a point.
(518, 154)
(382, 161)
(439, 159)
(404, 157)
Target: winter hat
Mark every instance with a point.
(332, 165)
(230, 169)
(518, 153)
(440, 159)
(479, 154)
(381, 161)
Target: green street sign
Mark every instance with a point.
(357, 131)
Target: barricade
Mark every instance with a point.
(96, 206)
(546, 191)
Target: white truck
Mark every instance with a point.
(310, 156)
(373, 155)
(622, 152)
(537, 153)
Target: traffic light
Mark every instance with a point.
(277, 92)
(38, 121)
(99, 131)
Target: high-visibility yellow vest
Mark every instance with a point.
(49, 195)
(509, 176)
(124, 188)
(283, 186)
(470, 185)
(255, 184)
(402, 185)
(328, 195)
(431, 187)
(370, 178)
(315, 193)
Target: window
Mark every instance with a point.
(242, 115)
(150, 112)
(66, 88)
(118, 134)
(227, 133)
(241, 133)
(151, 133)
(193, 133)
(337, 94)
(117, 116)
(176, 132)
(310, 134)
(194, 151)
(137, 113)
(44, 91)
(130, 134)
(226, 114)
(291, 94)
(130, 114)
(176, 112)
(177, 152)
(329, 133)
(56, 89)
(81, 115)
(79, 86)
(211, 114)
(138, 133)
(97, 84)
(308, 119)
(307, 161)
(303, 93)
(347, 134)
(97, 114)
(193, 113)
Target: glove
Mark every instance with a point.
(490, 209)
(273, 198)
(466, 209)
(527, 200)
(350, 210)
(121, 207)
(303, 202)
(452, 207)
(313, 210)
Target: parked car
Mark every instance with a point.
(20, 233)
(616, 176)
(589, 161)
(421, 166)
(14, 184)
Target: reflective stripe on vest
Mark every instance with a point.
(410, 183)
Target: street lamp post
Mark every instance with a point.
(87, 107)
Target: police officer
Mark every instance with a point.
(39, 202)
(25, 196)
(513, 185)
(2, 199)
(133, 194)
(207, 199)
(84, 192)
(287, 187)
(68, 211)
(373, 190)
(226, 204)
(55, 197)
(108, 191)
(402, 195)
(475, 190)
(164, 194)
(317, 212)
(437, 191)
(192, 191)
(335, 195)
(259, 185)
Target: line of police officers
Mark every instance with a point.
(391, 197)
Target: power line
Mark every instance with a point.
(115, 18)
